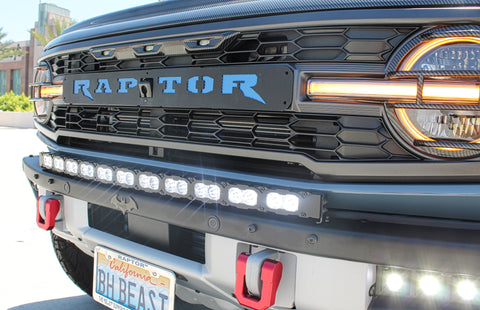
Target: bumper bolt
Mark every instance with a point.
(252, 228)
(66, 187)
(50, 181)
(214, 223)
(36, 176)
(312, 239)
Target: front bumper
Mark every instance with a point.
(405, 225)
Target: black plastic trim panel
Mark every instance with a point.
(408, 171)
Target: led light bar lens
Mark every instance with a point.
(125, 177)
(205, 191)
(87, 170)
(182, 187)
(59, 163)
(441, 91)
(288, 202)
(105, 174)
(430, 285)
(235, 195)
(201, 190)
(214, 192)
(248, 197)
(466, 290)
(274, 201)
(48, 161)
(394, 282)
(176, 186)
(71, 166)
(149, 182)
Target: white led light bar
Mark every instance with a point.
(47, 161)
(467, 290)
(71, 166)
(207, 191)
(58, 163)
(125, 177)
(429, 285)
(287, 202)
(87, 170)
(248, 197)
(105, 174)
(149, 182)
(240, 196)
(176, 186)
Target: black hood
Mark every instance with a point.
(171, 13)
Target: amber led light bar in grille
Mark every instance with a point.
(43, 86)
(452, 91)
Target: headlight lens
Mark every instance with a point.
(430, 125)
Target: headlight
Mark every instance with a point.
(448, 128)
(43, 89)
(431, 92)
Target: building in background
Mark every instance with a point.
(17, 72)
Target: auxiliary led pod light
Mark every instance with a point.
(241, 196)
(392, 281)
(431, 93)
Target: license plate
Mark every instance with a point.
(126, 283)
(253, 87)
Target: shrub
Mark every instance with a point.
(16, 103)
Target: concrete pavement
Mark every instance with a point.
(32, 278)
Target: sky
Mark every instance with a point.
(17, 17)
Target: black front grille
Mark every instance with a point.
(317, 136)
(342, 44)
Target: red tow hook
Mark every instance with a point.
(47, 211)
(270, 276)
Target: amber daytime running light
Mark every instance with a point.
(432, 97)
(43, 89)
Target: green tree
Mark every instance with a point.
(7, 49)
(59, 26)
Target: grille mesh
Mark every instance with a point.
(320, 137)
(344, 44)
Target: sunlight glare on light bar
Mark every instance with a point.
(466, 289)
(430, 285)
(394, 282)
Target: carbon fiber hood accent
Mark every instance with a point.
(180, 12)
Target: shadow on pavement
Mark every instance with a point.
(86, 302)
(71, 303)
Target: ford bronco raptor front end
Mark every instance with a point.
(265, 154)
